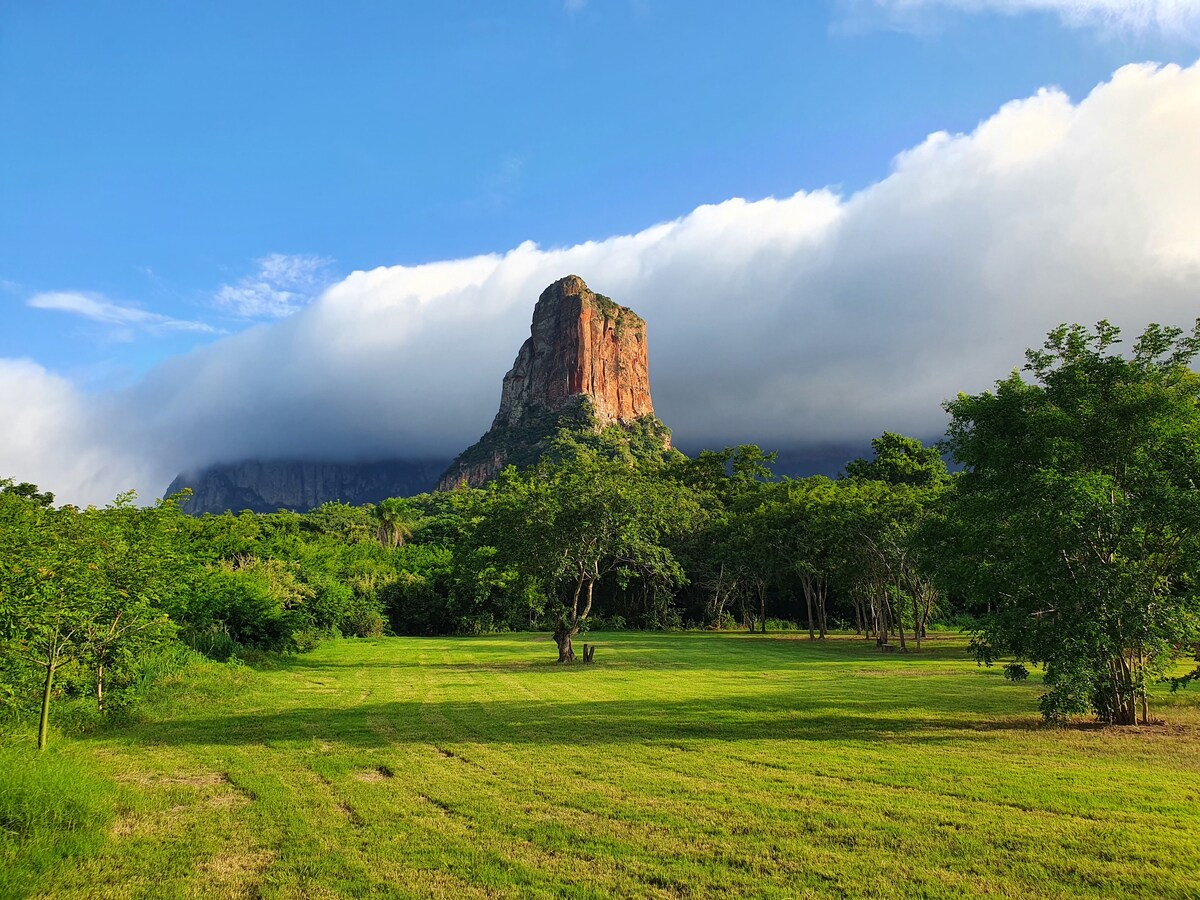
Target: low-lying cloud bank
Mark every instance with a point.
(809, 320)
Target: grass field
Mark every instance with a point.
(682, 765)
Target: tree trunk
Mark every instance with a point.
(1145, 699)
(879, 622)
(899, 618)
(566, 654)
(1122, 699)
(44, 721)
(822, 620)
(100, 687)
(808, 602)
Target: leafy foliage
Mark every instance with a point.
(1079, 514)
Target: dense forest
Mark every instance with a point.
(1068, 538)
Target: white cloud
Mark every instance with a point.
(99, 309)
(282, 285)
(54, 437)
(809, 319)
(1173, 18)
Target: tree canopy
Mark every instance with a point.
(1078, 514)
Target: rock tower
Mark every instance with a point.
(584, 365)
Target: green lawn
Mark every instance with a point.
(680, 765)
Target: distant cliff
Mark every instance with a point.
(267, 486)
(584, 365)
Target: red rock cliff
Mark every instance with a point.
(581, 345)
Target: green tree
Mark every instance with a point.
(581, 517)
(808, 528)
(900, 460)
(395, 521)
(47, 590)
(728, 553)
(135, 560)
(1078, 514)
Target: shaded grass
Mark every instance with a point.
(678, 765)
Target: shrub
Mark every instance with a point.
(212, 641)
(364, 620)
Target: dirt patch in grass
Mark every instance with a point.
(216, 792)
(1159, 729)
(196, 780)
(350, 814)
(379, 773)
(236, 872)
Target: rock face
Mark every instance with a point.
(585, 364)
(267, 486)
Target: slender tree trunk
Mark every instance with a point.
(44, 721)
(587, 606)
(1124, 706)
(808, 602)
(822, 621)
(900, 619)
(100, 687)
(1145, 699)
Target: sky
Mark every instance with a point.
(300, 230)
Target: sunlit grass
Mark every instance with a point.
(677, 765)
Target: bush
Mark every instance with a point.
(607, 623)
(480, 623)
(259, 602)
(305, 640)
(365, 620)
(333, 602)
(212, 641)
(725, 622)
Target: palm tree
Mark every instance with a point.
(395, 521)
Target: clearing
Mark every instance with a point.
(679, 765)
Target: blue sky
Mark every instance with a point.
(173, 174)
(154, 152)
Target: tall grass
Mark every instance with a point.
(52, 808)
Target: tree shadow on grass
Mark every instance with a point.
(573, 723)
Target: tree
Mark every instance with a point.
(1078, 514)
(135, 560)
(395, 521)
(806, 526)
(900, 460)
(46, 589)
(82, 589)
(578, 518)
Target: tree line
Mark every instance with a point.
(1069, 538)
